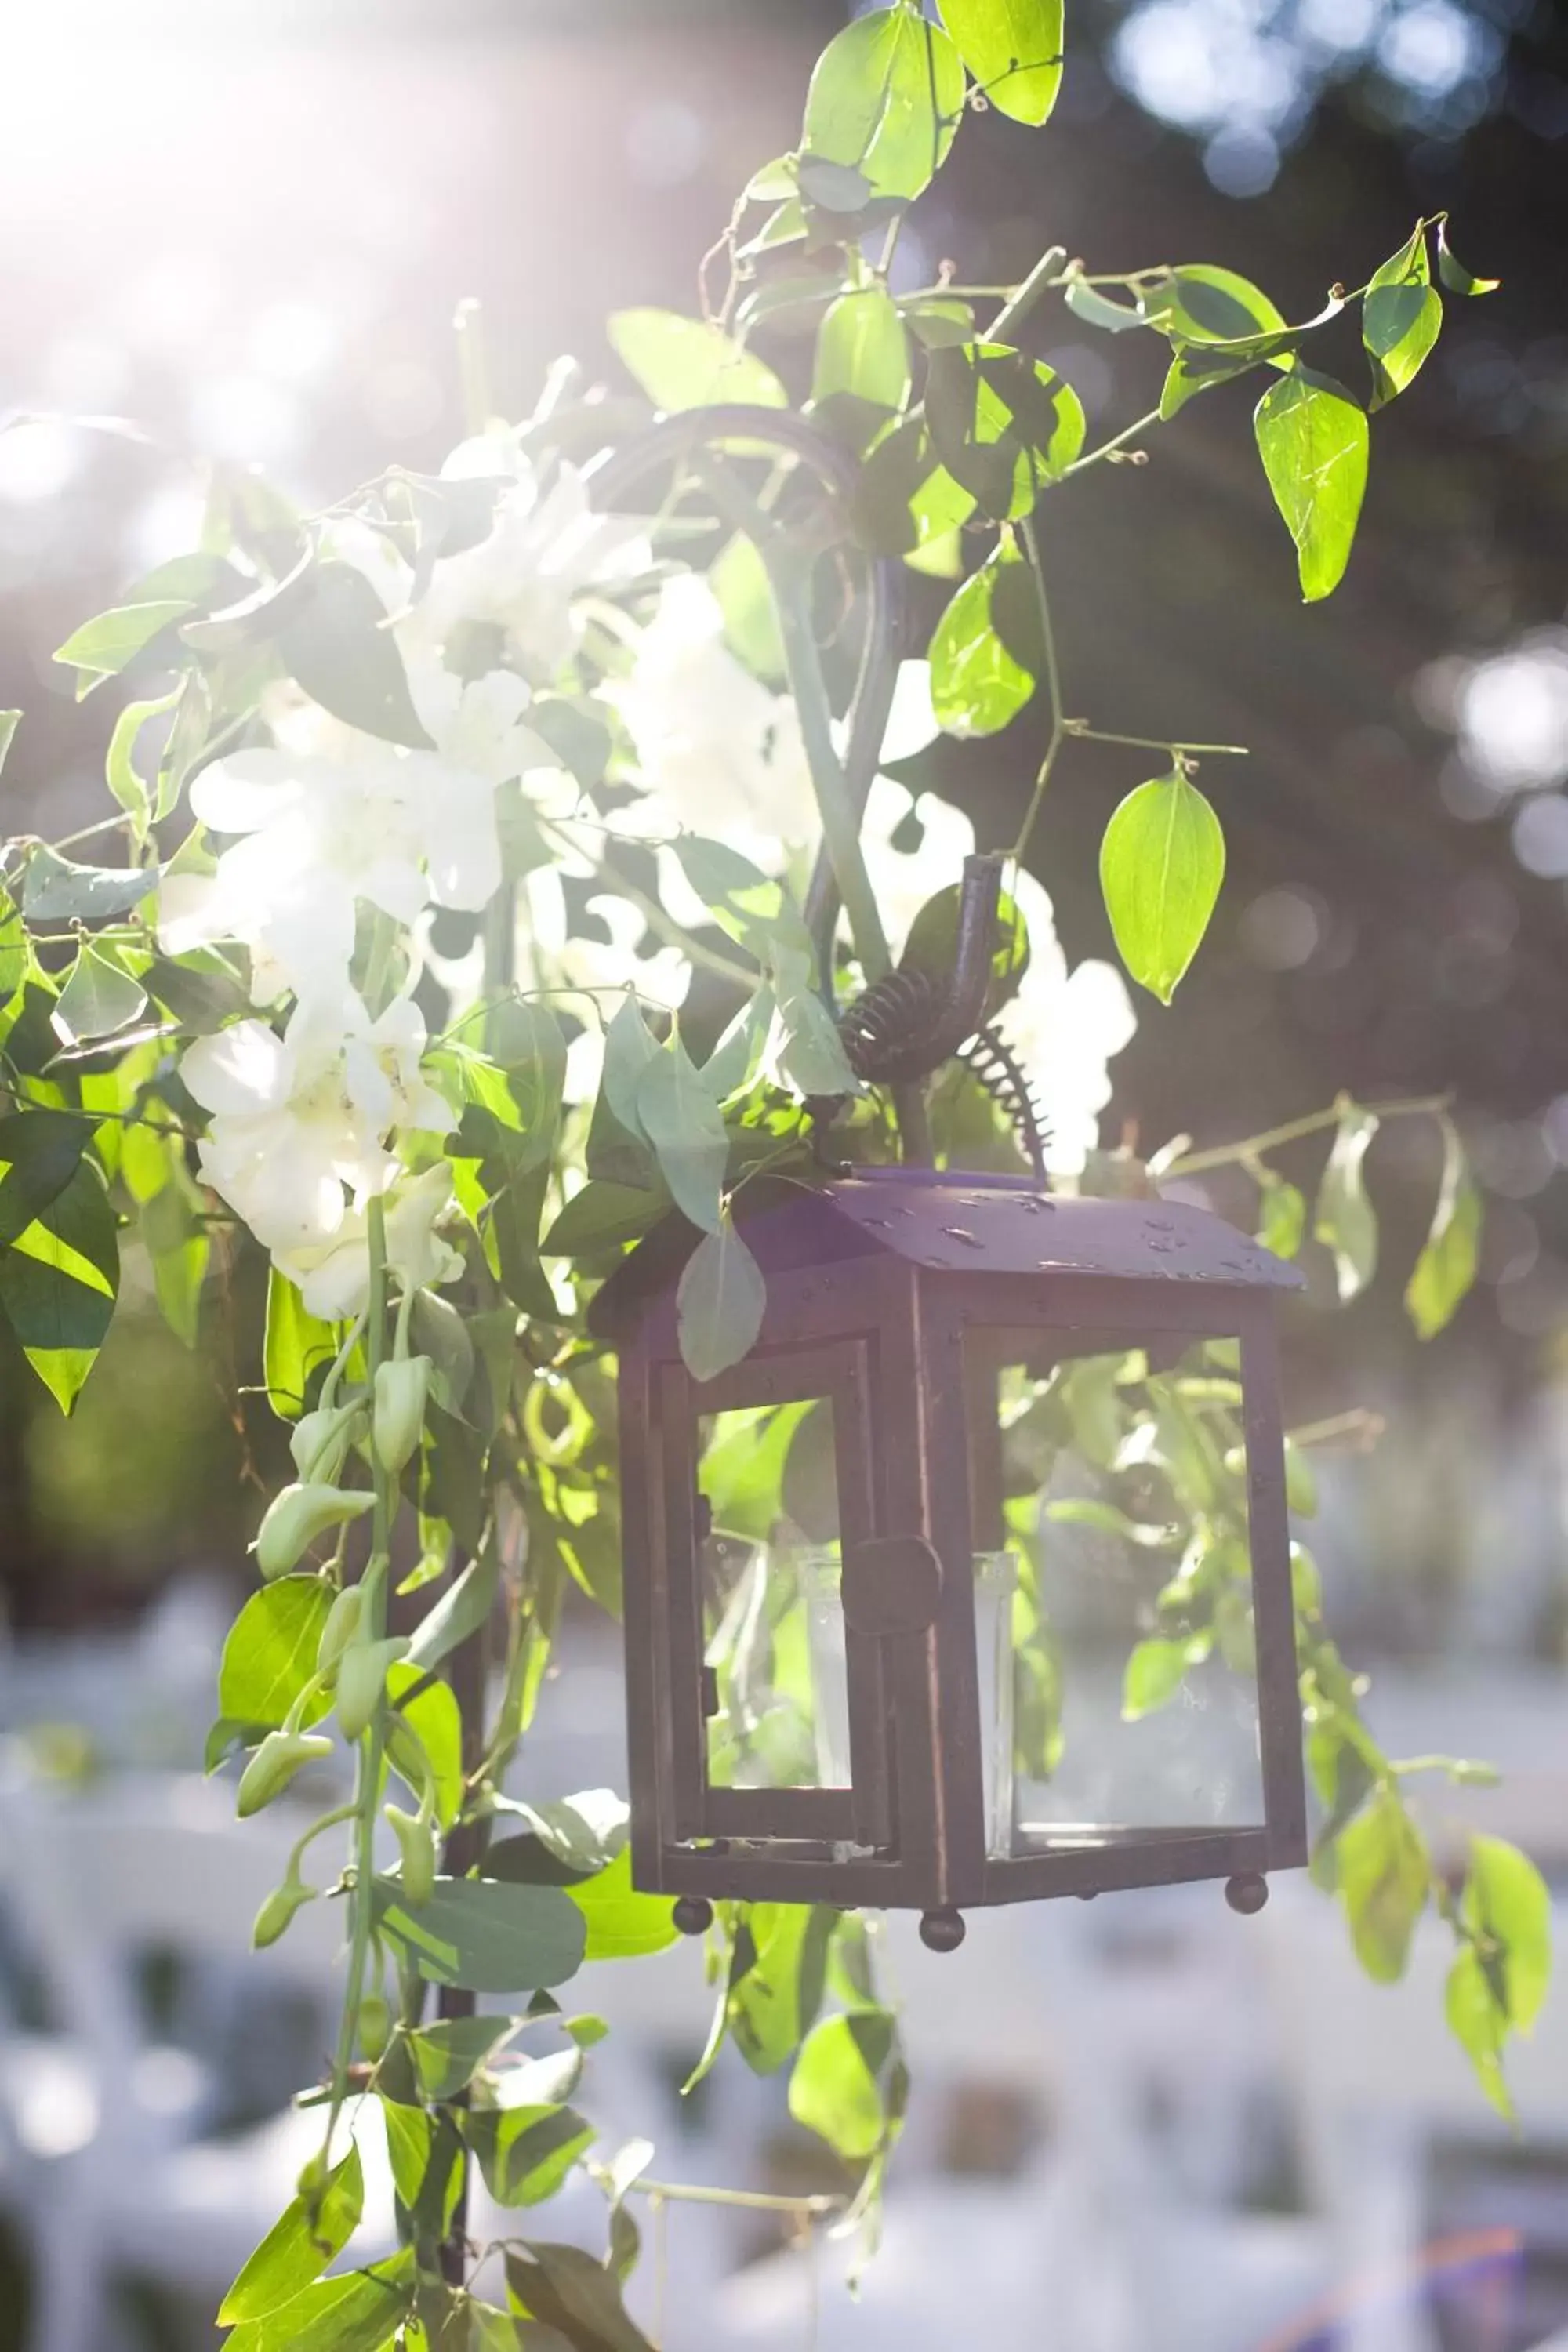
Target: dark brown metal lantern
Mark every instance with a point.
(971, 1583)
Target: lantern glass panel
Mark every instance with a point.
(776, 1692)
(1115, 1477)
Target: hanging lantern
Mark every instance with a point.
(971, 1584)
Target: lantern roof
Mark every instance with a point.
(950, 1221)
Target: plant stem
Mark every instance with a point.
(468, 324)
(840, 825)
(1117, 441)
(1083, 733)
(1059, 733)
(368, 1766)
(1228, 1155)
(750, 2200)
(1016, 309)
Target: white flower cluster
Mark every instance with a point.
(307, 1125)
(330, 821)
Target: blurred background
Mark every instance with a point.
(245, 224)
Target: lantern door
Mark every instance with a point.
(1128, 1560)
(778, 1728)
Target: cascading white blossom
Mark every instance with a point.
(312, 837)
(296, 1119)
(716, 750)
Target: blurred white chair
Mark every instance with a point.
(96, 1882)
(1374, 2078)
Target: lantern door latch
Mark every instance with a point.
(892, 1584)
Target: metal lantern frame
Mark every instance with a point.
(885, 1289)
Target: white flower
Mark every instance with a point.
(477, 724)
(395, 828)
(1065, 1027)
(716, 748)
(912, 718)
(904, 877)
(543, 550)
(333, 1276)
(295, 1118)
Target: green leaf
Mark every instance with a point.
(739, 581)
(425, 2154)
(1200, 304)
(40, 1151)
(1344, 1219)
(1093, 307)
(838, 2089)
(1155, 1672)
(759, 914)
(905, 500)
(1202, 359)
(360, 2312)
(339, 649)
(986, 651)
(569, 2291)
(98, 999)
(297, 1342)
(720, 1303)
(16, 949)
(1478, 2025)
(1003, 425)
(1282, 1213)
(1508, 1907)
(1402, 316)
(55, 889)
(485, 1935)
(677, 1114)
(629, 1047)
(691, 363)
(527, 2153)
(271, 1653)
(885, 98)
(932, 946)
(1384, 1880)
(778, 1972)
(201, 993)
(181, 1252)
(447, 2056)
(299, 2246)
(1445, 1268)
(428, 1710)
(1452, 271)
(9, 722)
(524, 1039)
(1160, 866)
(805, 1048)
(861, 351)
(1312, 439)
(462, 1609)
(101, 648)
(601, 1217)
(128, 786)
(59, 1279)
(1014, 49)
(622, 1923)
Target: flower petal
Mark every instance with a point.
(245, 790)
(239, 1072)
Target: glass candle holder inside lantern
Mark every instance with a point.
(971, 1584)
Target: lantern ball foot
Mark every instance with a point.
(942, 1931)
(1247, 1892)
(692, 1915)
